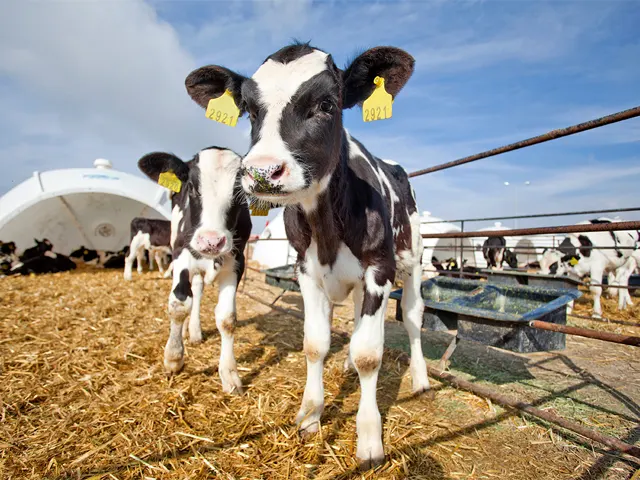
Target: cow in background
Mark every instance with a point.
(495, 252)
(582, 258)
(152, 235)
(211, 226)
(38, 251)
(8, 256)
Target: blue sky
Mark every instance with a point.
(80, 81)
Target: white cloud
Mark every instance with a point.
(105, 75)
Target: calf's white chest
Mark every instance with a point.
(336, 280)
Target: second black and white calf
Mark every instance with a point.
(351, 217)
(210, 228)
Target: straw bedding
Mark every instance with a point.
(83, 395)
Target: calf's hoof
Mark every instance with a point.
(365, 464)
(173, 361)
(173, 367)
(195, 338)
(231, 382)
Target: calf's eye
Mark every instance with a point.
(326, 107)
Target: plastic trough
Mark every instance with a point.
(495, 315)
(283, 277)
(520, 277)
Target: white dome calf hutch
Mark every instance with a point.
(80, 206)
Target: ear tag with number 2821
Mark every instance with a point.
(378, 105)
(170, 180)
(223, 109)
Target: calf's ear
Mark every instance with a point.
(211, 81)
(155, 163)
(391, 63)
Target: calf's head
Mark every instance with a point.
(210, 197)
(511, 258)
(295, 102)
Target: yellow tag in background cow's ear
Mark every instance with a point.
(573, 262)
(223, 109)
(170, 180)
(378, 105)
(258, 209)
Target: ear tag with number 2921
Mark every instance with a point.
(378, 105)
(223, 109)
(170, 180)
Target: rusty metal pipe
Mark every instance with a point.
(539, 215)
(504, 400)
(597, 227)
(545, 137)
(587, 332)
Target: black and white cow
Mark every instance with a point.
(495, 252)
(578, 255)
(8, 257)
(212, 225)
(48, 262)
(152, 235)
(85, 255)
(38, 251)
(350, 216)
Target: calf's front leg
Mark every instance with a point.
(317, 339)
(226, 322)
(195, 329)
(180, 303)
(366, 349)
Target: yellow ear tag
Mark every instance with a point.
(170, 180)
(573, 262)
(378, 105)
(223, 109)
(258, 209)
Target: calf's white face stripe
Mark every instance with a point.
(218, 170)
(278, 83)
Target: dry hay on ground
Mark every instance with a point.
(83, 395)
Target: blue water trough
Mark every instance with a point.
(494, 314)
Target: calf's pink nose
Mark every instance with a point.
(210, 242)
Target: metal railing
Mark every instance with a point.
(545, 137)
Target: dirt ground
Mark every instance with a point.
(83, 394)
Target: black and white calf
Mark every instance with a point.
(350, 216)
(42, 246)
(8, 256)
(576, 255)
(495, 252)
(148, 234)
(48, 262)
(210, 227)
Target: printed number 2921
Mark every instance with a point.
(375, 113)
(221, 117)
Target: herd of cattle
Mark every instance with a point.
(41, 258)
(351, 217)
(579, 255)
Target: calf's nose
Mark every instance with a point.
(265, 170)
(210, 242)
